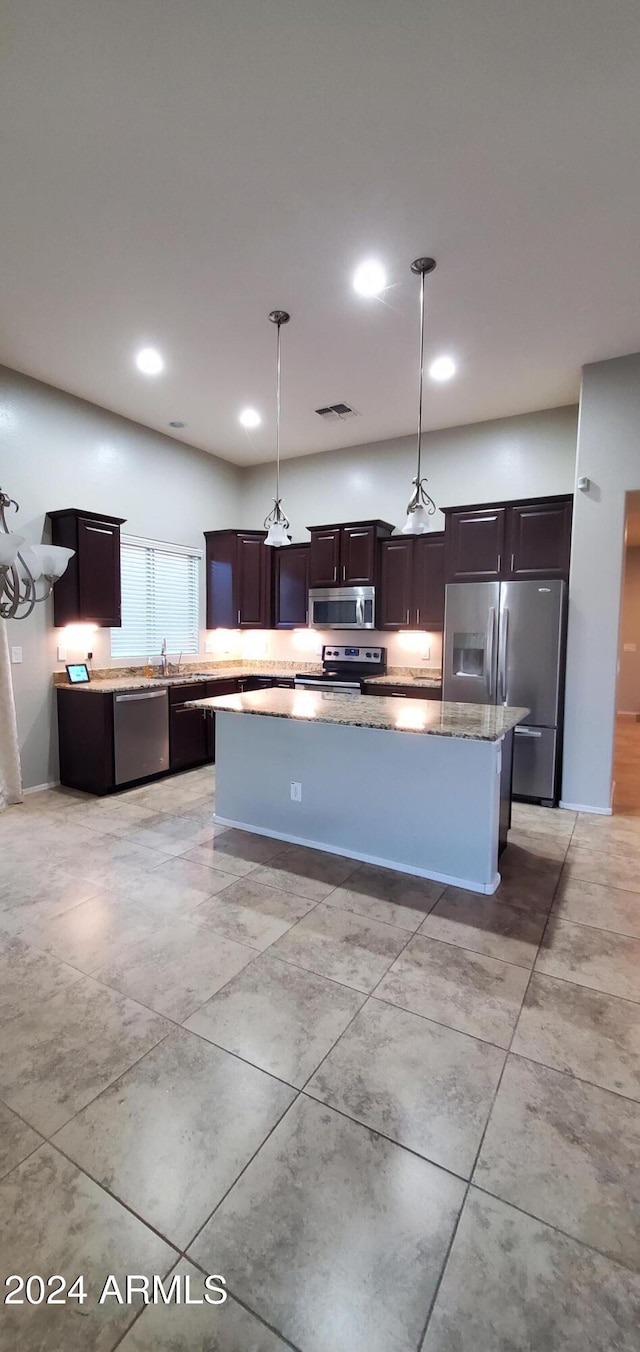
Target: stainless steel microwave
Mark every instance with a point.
(342, 608)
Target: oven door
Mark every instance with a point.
(342, 607)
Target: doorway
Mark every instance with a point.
(626, 765)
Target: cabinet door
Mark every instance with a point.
(428, 581)
(222, 603)
(188, 732)
(396, 583)
(99, 572)
(214, 688)
(324, 558)
(539, 540)
(251, 582)
(291, 588)
(358, 556)
(475, 543)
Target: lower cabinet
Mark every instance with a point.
(188, 734)
(403, 691)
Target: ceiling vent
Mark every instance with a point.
(331, 412)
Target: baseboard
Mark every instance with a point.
(449, 879)
(39, 788)
(587, 807)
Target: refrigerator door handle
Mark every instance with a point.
(502, 656)
(489, 653)
(527, 732)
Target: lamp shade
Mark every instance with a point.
(9, 546)
(277, 535)
(417, 522)
(46, 560)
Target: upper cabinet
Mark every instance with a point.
(291, 586)
(512, 540)
(539, 539)
(346, 555)
(89, 590)
(238, 579)
(412, 582)
(475, 544)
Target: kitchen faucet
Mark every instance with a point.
(163, 657)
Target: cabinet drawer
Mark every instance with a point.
(179, 694)
(403, 691)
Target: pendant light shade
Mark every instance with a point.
(277, 524)
(420, 507)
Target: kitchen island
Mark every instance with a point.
(422, 787)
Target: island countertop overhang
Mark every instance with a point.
(435, 718)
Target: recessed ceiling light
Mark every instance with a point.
(149, 361)
(443, 368)
(177, 423)
(250, 417)
(370, 278)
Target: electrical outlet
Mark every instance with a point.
(16, 654)
(426, 653)
(296, 792)
(62, 654)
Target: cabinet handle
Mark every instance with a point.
(499, 562)
(398, 694)
(238, 619)
(512, 561)
(407, 621)
(99, 530)
(418, 616)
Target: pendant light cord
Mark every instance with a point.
(421, 380)
(279, 323)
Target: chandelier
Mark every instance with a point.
(25, 570)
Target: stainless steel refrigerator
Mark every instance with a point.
(504, 643)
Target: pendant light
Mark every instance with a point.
(276, 524)
(420, 506)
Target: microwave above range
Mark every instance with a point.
(342, 608)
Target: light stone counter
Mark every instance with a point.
(471, 722)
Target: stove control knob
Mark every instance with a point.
(367, 654)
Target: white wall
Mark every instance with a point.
(628, 698)
(58, 451)
(609, 455)
(509, 458)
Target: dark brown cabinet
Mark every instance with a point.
(401, 691)
(238, 580)
(509, 540)
(412, 582)
(346, 555)
(539, 540)
(291, 586)
(188, 732)
(475, 544)
(89, 590)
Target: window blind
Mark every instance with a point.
(160, 599)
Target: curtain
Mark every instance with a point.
(10, 773)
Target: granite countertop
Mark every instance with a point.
(425, 681)
(474, 722)
(100, 685)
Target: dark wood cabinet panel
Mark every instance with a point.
(89, 590)
(238, 581)
(291, 586)
(429, 580)
(401, 691)
(412, 582)
(346, 554)
(214, 688)
(85, 740)
(324, 557)
(396, 582)
(475, 545)
(539, 540)
(188, 734)
(358, 556)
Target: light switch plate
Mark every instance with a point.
(296, 792)
(62, 654)
(16, 655)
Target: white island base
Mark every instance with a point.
(425, 805)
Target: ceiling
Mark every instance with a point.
(172, 172)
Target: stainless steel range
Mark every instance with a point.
(345, 667)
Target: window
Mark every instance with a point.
(160, 599)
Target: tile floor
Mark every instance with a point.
(395, 1117)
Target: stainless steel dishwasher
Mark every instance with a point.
(140, 734)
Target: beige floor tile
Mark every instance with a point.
(608, 870)
(96, 932)
(537, 849)
(277, 1016)
(463, 990)
(175, 969)
(53, 1219)
(567, 1153)
(424, 1086)
(199, 1328)
(383, 894)
(202, 1112)
(59, 1055)
(308, 873)
(610, 908)
(345, 947)
(324, 1208)
(187, 876)
(606, 962)
(487, 926)
(28, 978)
(251, 913)
(17, 1140)
(581, 1032)
(532, 817)
(512, 1284)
